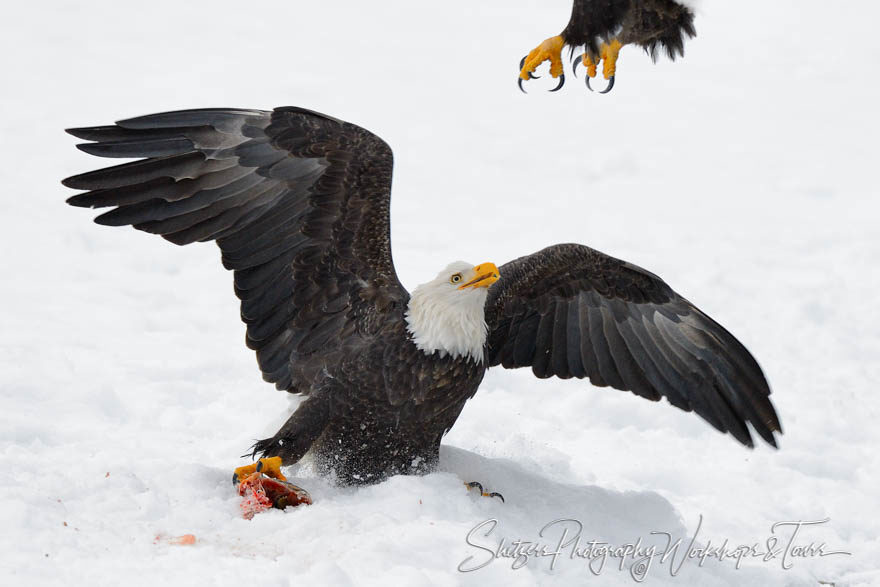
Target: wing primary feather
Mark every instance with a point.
(117, 133)
(259, 153)
(252, 277)
(210, 228)
(677, 373)
(602, 350)
(130, 194)
(261, 241)
(187, 165)
(207, 205)
(524, 352)
(275, 354)
(573, 338)
(630, 372)
(559, 350)
(588, 353)
(212, 191)
(642, 355)
(262, 228)
(727, 408)
(219, 118)
(502, 342)
(543, 347)
(139, 148)
(273, 321)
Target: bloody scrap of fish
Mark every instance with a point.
(261, 492)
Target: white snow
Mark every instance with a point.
(744, 175)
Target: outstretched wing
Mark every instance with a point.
(297, 201)
(648, 23)
(571, 311)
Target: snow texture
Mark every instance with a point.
(744, 175)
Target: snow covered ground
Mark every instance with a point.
(744, 175)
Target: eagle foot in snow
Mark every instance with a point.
(479, 486)
(271, 467)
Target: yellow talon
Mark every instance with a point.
(271, 467)
(590, 64)
(550, 49)
(609, 53)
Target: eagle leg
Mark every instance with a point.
(550, 49)
(608, 53)
(588, 62)
(479, 486)
(295, 438)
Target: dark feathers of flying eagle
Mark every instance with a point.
(298, 203)
(603, 27)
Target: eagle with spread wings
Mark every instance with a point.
(298, 203)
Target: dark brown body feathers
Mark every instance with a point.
(650, 24)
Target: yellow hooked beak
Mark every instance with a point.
(486, 275)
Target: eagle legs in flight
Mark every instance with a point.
(603, 27)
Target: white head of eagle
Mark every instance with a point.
(447, 315)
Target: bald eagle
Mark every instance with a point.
(603, 27)
(298, 203)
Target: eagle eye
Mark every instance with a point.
(455, 278)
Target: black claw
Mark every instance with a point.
(575, 63)
(476, 484)
(258, 446)
(561, 83)
(589, 87)
(473, 484)
(610, 85)
(519, 82)
(523, 62)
